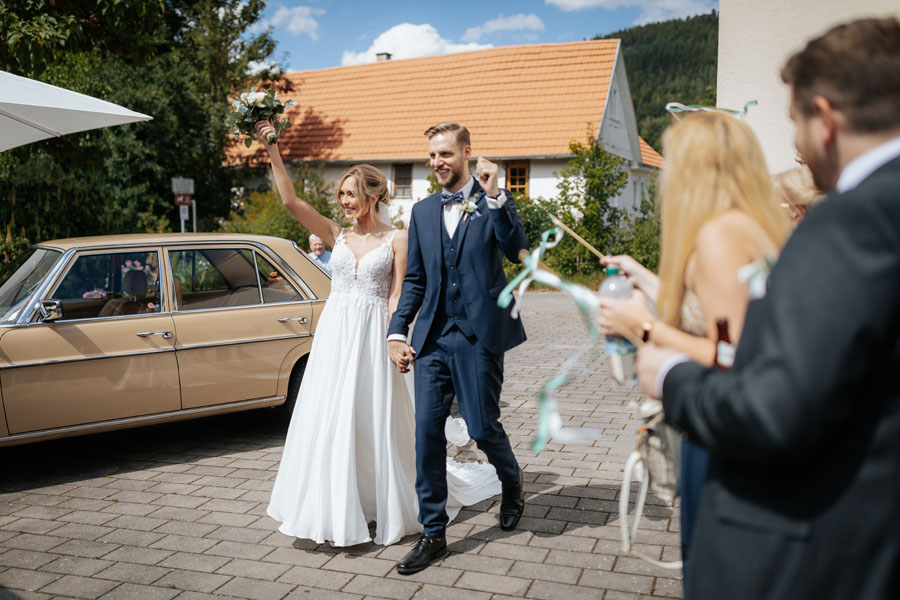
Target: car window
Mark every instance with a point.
(19, 279)
(275, 286)
(214, 278)
(109, 285)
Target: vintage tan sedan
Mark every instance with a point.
(102, 333)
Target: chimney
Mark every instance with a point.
(380, 56)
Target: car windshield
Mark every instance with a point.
(20, 277)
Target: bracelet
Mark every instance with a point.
(647, 326)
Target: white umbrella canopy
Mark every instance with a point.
(32, 111)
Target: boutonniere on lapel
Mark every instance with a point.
(469, 206)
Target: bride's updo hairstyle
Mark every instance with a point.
(368, 182)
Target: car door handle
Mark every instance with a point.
(166, 334)
(286, 319)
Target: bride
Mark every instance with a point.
(349, 456)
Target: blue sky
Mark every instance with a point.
(315, 34)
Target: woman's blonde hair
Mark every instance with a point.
(713, 164)
(795, 187)
(368, 182)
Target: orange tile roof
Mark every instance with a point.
(527, 100)
(649, 156)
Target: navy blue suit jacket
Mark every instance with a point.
(484, 238)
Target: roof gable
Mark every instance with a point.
(528, 100)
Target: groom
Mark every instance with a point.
(457, 240)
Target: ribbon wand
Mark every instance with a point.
(556, 221)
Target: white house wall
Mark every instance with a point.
(755, 40)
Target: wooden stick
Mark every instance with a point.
(556, 221)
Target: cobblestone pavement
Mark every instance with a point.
(178, 510)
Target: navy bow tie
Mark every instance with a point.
(447, 198)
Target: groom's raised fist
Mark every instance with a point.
(486, 171)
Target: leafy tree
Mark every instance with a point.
(177, 62)
(588, 184)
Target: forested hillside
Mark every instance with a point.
(672, 61)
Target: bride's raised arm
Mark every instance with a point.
(318, 224)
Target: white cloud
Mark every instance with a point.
(501, 23)
(298, 20)
(408, 41)
(255, 67)
(651, 10)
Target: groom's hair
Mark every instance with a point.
(462, 134)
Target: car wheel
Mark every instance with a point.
(293, 387)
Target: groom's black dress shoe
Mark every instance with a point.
(512, 505)
(427, 550)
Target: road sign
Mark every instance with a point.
(185, 213)
(182, 185)
(182, 199)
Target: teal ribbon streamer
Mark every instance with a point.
(549, 419)
(677, 107)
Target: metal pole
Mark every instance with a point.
(194, 209)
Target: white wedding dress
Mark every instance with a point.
(349, 456)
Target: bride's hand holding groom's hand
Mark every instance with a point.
(487, 174)
(401, 354)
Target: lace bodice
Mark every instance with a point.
(369, 277)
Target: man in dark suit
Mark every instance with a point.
(454, 273)
(802, 497)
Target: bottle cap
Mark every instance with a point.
(612, 270)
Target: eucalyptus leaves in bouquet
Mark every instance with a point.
(254, 106)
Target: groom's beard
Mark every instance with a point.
(452, 179)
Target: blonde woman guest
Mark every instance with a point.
(718, 214)
(796, 192)
(349, 456)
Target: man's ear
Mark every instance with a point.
(832, 119)
(467, 151)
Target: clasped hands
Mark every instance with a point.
(401, 354)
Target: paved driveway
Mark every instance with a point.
(178, 511)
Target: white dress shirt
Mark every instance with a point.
(453, 210)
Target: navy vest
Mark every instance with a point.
(451, 310)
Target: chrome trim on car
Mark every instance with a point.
(237, 343)
(141, 419)
(41, 363)
(191, 311)
(39, 292)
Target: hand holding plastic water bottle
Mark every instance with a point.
(619, 351)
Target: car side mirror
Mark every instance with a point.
(51, 310)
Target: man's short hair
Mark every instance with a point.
(312, 237)
(856, 67)
(462, 134)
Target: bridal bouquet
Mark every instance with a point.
(251, 107)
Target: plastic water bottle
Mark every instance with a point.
(619, 351)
